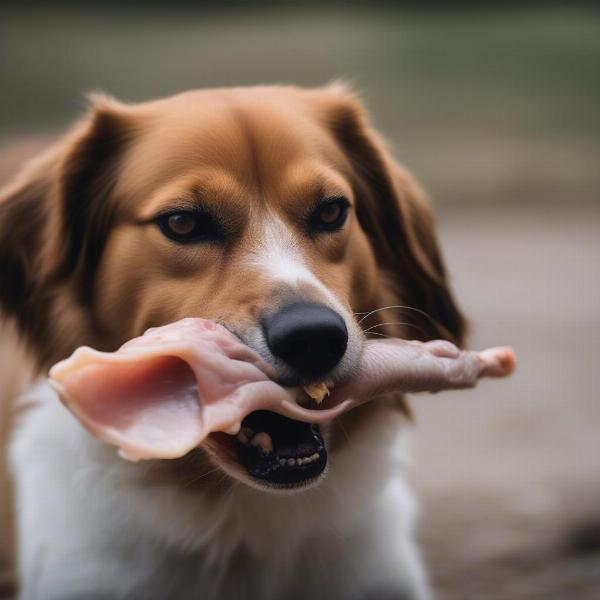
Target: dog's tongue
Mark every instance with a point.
(161, 394)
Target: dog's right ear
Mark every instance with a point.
(49, 216)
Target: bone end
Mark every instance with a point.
(498, 362)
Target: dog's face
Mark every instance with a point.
(275, 211)
(237, 206)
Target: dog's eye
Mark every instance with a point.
(189, 227)
(330, 215)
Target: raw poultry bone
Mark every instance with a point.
(162, 393)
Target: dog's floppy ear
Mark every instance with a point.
(53, 222)
(395, 214)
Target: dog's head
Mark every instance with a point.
(276, 211)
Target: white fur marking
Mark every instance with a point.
(279, 256)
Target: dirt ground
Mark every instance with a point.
(509, 474)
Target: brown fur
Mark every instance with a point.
(82, 264)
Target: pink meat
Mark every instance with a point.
(162, 393)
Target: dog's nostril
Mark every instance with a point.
(311, 338)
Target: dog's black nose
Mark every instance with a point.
(310, 338)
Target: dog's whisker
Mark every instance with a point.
(413, 325)
(396, 307)
(344, 431)
(195, 479)
(387, 323)
(379, 334)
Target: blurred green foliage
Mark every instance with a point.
(488, 105)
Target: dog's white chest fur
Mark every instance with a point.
(89, 527)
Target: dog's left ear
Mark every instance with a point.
(53, 223)
(396, 216)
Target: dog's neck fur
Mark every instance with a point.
(88, 518)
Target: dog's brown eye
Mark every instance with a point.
(182, 224)
(190, 227)
(330, 215)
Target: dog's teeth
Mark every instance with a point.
(298, 462)
(263, 441)
(245, 435)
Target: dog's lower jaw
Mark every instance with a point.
(89, 527)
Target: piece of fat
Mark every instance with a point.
(318, 391)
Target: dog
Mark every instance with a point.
(280, 213)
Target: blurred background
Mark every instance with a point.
(496, 109)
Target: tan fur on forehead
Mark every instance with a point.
(254, 136)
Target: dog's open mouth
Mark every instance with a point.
(278, 450)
